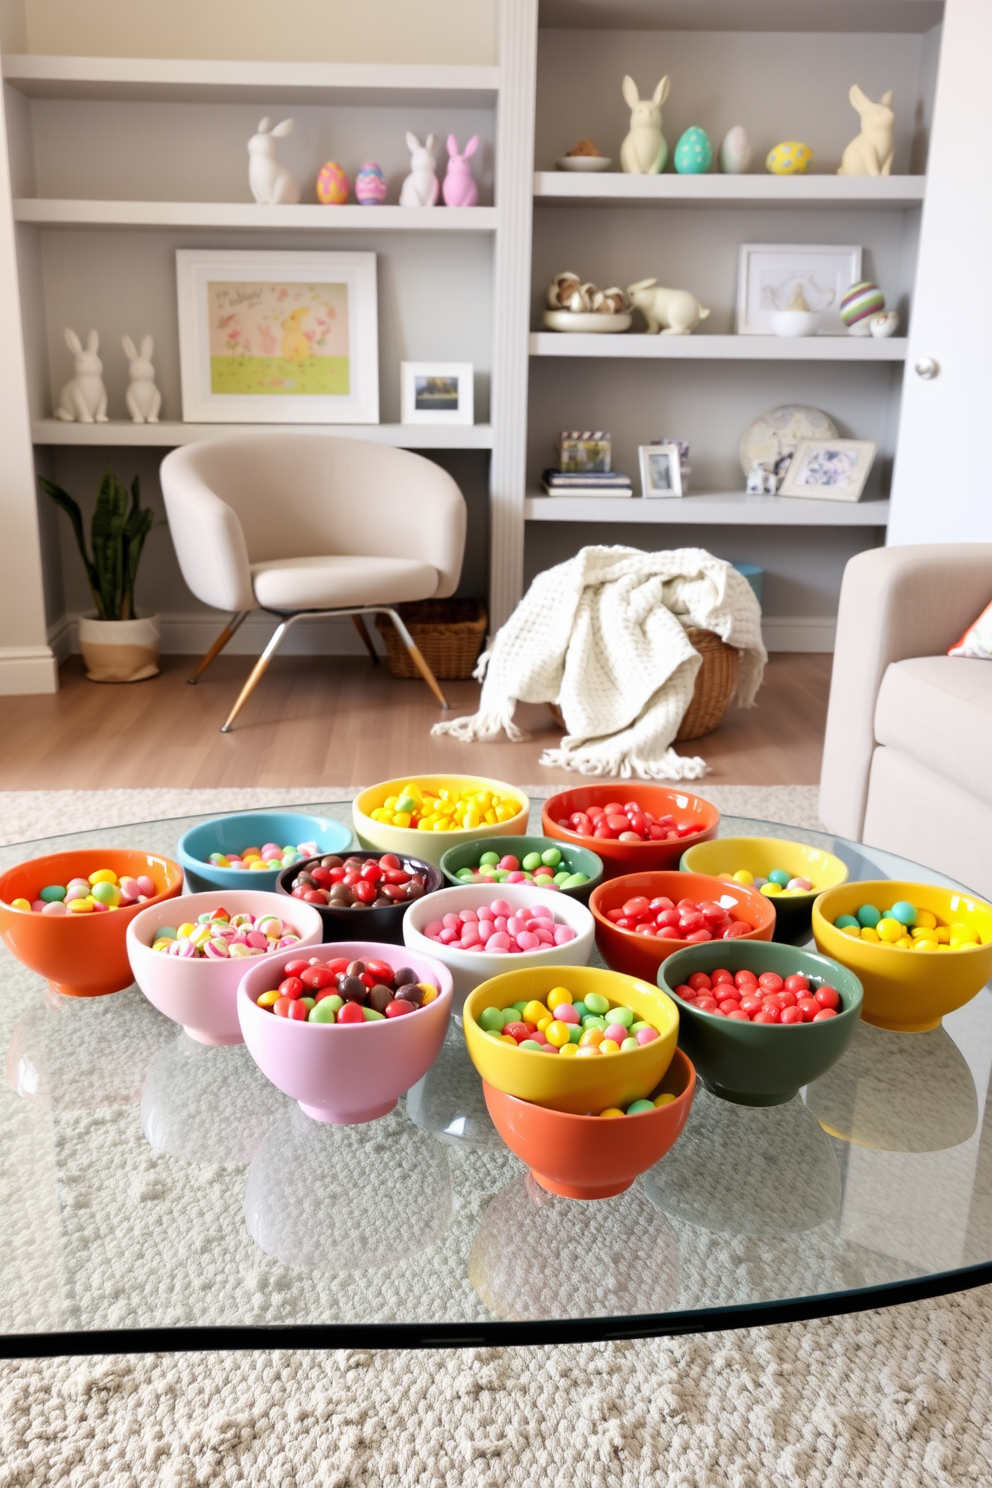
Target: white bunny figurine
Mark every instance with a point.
(644, 152)
(272, 184)
(420, 189)
(870, 153)
(84, 399)
(459, 189)
(143, 398)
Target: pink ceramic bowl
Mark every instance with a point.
(346, 1073)
(203, 995)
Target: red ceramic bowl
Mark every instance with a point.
(632, 857)
(585, 1157)
(81, 955)
(641, 955)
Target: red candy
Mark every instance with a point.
(765, 999)
(627, 822)
(356, 883)
(686, 921)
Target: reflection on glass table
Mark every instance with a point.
(219, 1206)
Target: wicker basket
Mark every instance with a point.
(449, 633)
(715, 684)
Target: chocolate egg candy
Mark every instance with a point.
(353, 989)
(355, 968)
(331, 862)
(341, 896)
(413, 889)
(380, 997)
(404, 976)
(411, 992)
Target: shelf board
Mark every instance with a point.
(726, 348)
(569, 189)
(167, 435)
(164, 80)
(206, 216)
(730, 508)
(882, 16)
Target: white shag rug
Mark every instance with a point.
(891, 1399)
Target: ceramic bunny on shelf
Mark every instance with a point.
(83, 400)
(458, 189)
(870, 153)
(421, 189)
(272, 184)
(644, 152)
(143, 398)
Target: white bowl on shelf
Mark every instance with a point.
(585, 320)
(795, 322)
(584, 162)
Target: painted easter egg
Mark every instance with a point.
(370, 185)
(858, 304)
(790, 158)
(735, 152)
(332, 185)
(693, 153)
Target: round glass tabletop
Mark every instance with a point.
(158, 1194)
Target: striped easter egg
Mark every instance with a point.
(859, 302)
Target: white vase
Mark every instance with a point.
(120, 650)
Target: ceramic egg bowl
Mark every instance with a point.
(631, 857)
(241, 829)
(759, 856)
(575, 859)
(431, 846)
(382, 923)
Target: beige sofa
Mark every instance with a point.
(907, 760)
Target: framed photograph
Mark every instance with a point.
(661, 470)
(436, 393)
(770, 274)
(830, 469)
(278, 338)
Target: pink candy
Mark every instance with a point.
(500, 929)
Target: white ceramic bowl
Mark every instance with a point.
(470, 968)
(587, 322)
(795, 322)
(408, 842)
(584, 162)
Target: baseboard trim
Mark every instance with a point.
(798, 633)
(26, 671)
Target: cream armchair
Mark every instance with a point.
(907, 759)
(302, 525)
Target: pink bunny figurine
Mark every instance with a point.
(458, 188)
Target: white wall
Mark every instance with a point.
(291, 30)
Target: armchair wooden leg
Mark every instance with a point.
(218, 646)
(362, 629)
(257, 671)
(417, 658)
(556, 714)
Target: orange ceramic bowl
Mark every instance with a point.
(632, 857)
(81, 955)
(641, 955)
(587, 1157)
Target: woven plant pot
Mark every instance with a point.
(715, 684)
(449, 633)
(120, 650)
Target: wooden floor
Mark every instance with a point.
(340, 721)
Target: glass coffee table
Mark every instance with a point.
(160, 1195)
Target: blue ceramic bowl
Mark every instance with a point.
(251, 829)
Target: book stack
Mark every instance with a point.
(589, 483)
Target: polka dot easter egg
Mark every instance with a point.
(693, 153)
(332, 185)
(790, 158)
(370, 185)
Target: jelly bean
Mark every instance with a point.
(868, 916)
(610, 1113)
(663, 1100)
(53, 892)
(637, 1106)
(25, 903)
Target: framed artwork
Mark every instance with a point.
(829, 469)
(436, 393)
(661, 470)
(770, 274)
(273, 337)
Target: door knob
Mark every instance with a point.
(927, 368)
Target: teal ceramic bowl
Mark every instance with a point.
(243, 829)
(760, 1064)
(575, 859)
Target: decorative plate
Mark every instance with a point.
(584, 162)
(778, 432)
(587, 321)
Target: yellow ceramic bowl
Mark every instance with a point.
(759, 855)
(579, 1086)
(431, 846)
(909, 991)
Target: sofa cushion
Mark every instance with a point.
(938, 711)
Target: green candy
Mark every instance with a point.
(519, 1006)
(622, 1015)
(530, 1044)
(322, 1013)
(597, 1003)
(562, 877)
(843, 922)
(639, 1028)
(573, 880)
(491, 1019)
(904, 912)
(54, 893)
(489, 860)
(466, 875)
(510, 1015)
(592, 1021)
(580, 1008)
(627, 1045)
(491, 1033)
(779, 876)
(636, 1107)
(868, 915)
(574, 1032)
(334, 1002)
(531, 861)
(106, 893)
(551, 857)
(309, 1003)
(371, 1016)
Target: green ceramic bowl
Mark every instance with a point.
(760, 1064)
(576, 859)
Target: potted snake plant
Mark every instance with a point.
(119, 643)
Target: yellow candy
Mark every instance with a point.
(161, 945)
(250, 854)
(80, 906)
(943, 934)
(925, 919)
(543, 1024)
(429, 993)
(402, 819)
(185, 929)
(610, 1113)
(854, 931)
(591, 1036)
(559, 995)
(743, 877)
(904, 943)
(267, 998)
(867, 933)
(556, 1033)
(770, 890)
(568, 1051)
(534, 1012)
(664, 1100)
(21, 903)
(890, 931)
(103, 875)
(609, 1046)
(928, 945)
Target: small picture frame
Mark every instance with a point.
(584, 452)
(661, 470)
(829, 469)
(436, 393)
(769, 274)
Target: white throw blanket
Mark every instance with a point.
(603, 636)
